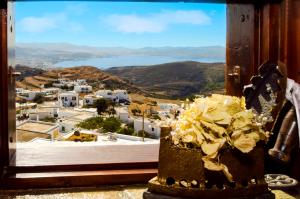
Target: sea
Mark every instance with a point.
(119, 61)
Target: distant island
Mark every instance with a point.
(53, 55)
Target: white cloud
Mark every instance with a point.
(37, 24)
(156, 22)
(134, 23)
(53, 21)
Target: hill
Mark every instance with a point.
(175, 80)
(94, 76)
(27, 71)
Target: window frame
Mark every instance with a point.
(249, 45)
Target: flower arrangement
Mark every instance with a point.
(217, 122)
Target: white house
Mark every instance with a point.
(106, 94)
(68, 99)
(121, 95)
(62, 83)
(68, 119)
(116, 95)
(19, 90)
(50, 91)
(29, 130)
(168, 107)
(81, 81)
(123, 115)
(150, 126)
(29, 95)
(90, 99)
(163, 113)
(42, 113)
(83, 89)
(25, 106)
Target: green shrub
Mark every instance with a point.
(101, 105)
(136, 111)
(155, 117)
(130, 125)
(48, 85)
(126, 131)
(49, 119)
(91, 123)
(39, 98)
(88, 106)
(153, 103)
(111, 124)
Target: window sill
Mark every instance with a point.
(76, 178)
(70, 153)
(80, 165)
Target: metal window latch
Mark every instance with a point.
(236, 74)
(13, 74)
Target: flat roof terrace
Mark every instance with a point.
(29, 130)
(36, 126)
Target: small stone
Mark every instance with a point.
(194, 182)
(183, 183)
(202, 186)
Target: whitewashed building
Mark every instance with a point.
(106, 94)
(81, 81)
(123, 114)
(63, 83)
(83, 89)
(163, 114)
(68, 99)
(60, 83)
(116, 95)
(168, 107)
(50, 91)
(90, 99)
(25, 106)
(121, 95)
(150, 126)
(42, 113)
(29, 95)
(19, 90)
(68, 119)
(30, 130)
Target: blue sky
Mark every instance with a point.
(125, 24)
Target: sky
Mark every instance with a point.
(122, 24)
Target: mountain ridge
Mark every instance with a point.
(176, 79)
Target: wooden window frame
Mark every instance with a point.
(254, 29)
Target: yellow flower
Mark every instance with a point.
(215, 122)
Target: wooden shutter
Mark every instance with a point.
(7, 86)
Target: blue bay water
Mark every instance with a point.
(118, 61)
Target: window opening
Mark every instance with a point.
(114, 71)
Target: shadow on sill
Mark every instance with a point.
(103, 192)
